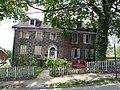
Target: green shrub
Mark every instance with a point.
(55, 62)
(34, 62)
(38, 70)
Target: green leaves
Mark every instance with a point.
(55, 62)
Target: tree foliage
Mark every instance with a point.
(13, 9)
(118, 51)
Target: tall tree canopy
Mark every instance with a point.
(101, 14)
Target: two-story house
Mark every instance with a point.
(33, 39)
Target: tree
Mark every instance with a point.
(109, 52)
(65, 14)
(13, 9)
(102, 14)
(118, 51)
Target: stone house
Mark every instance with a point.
(33, 39)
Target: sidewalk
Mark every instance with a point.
(27, 84)
(44, 78)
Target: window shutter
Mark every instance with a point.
(90, 39)
(86, 53)
(27, 35)
(78, 53)
(91, 53)
(20, 35)
(72, 53)
(84, 38)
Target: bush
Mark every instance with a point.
(38, 70)
(55, 62)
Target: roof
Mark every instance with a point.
(41, 25)
(3, 52)
(26, 25)
(85, 29)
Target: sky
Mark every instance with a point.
(7, 33)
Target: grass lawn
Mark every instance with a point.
(76, 82)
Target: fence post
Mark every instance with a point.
(106, 65)
(7, 72)
(15, 71)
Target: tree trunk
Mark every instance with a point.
(102, 38)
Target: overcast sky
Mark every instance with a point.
(7, 33)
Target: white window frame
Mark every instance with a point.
(21, 34)
(37, 50)
(32, 24)
(52, 46)
(51, 36)
(89, 38)
(39, 37)
(73, 53)
(23, 49)
(74, 37)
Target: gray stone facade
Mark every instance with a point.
(61, 46)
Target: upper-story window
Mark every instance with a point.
(86, 38)
(24, 34)
(32, 22)
(74, 38)
(37, 50)
(39, 35)
(75, 53)
(53, 36)
(23, 49)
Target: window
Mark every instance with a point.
(75, 53)
(24, 34)
(53, 36)
(74, 38)
(23, 49)
(32, 22)
(37, 50)
(89, 53)
(86, 38)
(39, 35)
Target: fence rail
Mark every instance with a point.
(16, 72)
(107, 66)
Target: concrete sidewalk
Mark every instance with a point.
(27, 84)
(44, 78)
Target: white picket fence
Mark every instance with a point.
(16, 72)
(106, 66)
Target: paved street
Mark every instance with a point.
(96, 87)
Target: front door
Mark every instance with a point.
(52, 52)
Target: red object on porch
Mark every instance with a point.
(77, 64)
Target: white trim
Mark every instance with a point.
(39, 37)
(34, 22)
(52, 46)
(89, 38)
(51, 36)
(26, 35)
